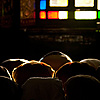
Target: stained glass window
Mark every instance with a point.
(60, 10)
(27, 9)
(7, 7)
(27, 12)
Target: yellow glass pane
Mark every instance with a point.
(85, 14)
(58, 3)
(84, 3)
(63, 14)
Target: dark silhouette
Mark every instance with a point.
(56, 59)
(31, 69)
(82, 87)
(9, 90)
(10, 64)
(74, 68)
(4, 72)
(42, 88)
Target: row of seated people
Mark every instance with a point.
(54, 77)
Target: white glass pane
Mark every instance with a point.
(63, 14)
(58, 3)
(84, 3)
(85, 14)
(98, 4)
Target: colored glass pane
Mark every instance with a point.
(58, 3)
(52, 14)
(63, 14)
(6, 7)
(98, 4)
(43, 4)
(42, 15)
(85, 14)
(27, 9)
(98, 14)
(84, 3)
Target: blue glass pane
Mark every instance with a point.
(43, 4)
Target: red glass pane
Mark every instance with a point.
(53, 15)
(42, 15)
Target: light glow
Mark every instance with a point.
(58, 3)
(63, 14)
(42, 15)
(84, 3)
(85, 14)
(53, 15)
